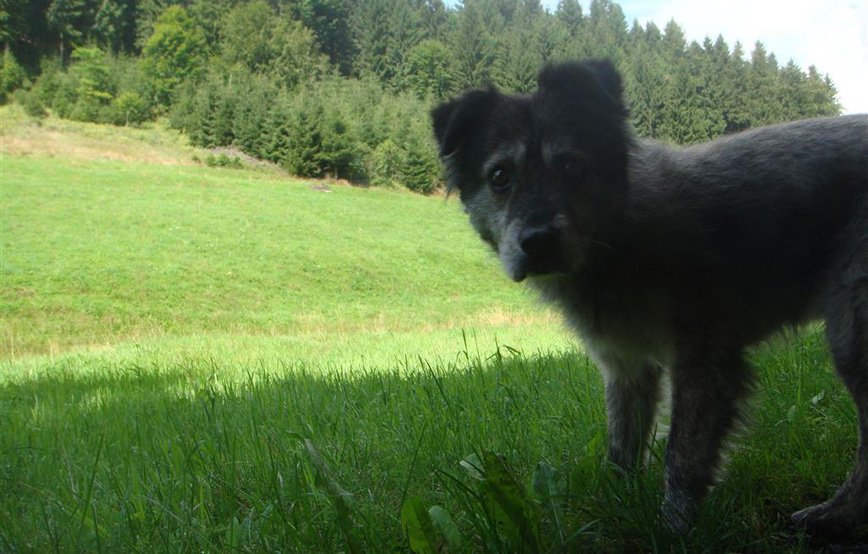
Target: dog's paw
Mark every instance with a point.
(833, 520)
(678, 515)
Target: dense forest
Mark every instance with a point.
(343, 87)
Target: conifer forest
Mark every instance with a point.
(343, 88)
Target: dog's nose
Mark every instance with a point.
(539, 242)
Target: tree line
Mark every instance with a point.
(343, 88)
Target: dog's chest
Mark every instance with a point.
(620, 332)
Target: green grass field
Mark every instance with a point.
(205, 360)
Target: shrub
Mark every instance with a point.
(222, 160)
(387, 164)
(422, 170)
(12, 75)
(33, 105)
(129, 108)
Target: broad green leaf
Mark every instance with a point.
(550, 487)
(444, 525)
(548, 482)
(509, 504)
(417, 526)
(473, 466)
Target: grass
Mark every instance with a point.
(205, 360)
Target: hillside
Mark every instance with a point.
(114, 234)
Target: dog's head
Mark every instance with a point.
(541, 175)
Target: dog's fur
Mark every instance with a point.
(678, 258)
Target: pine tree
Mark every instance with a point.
(646, 91)
(515, 69)
(569, 12)
(330, 22)
(822, 95)
(370, 29)
(764, 86)
(471, 48)
(66, 18)
(434, 19)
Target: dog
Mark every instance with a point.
(673, 258)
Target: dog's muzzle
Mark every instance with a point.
(541, 247)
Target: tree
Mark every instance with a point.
(12, 75)
(95, 86)
(404, 31)
(330, 22)
(370, 29)
(434, 19)
(428, 70)
(764, 87)
(296, 56)
(472, 49)
(646, 91)
(822, 95)
(674, 43)
(516, 67)
(13, 22)
(65, 18)
(569, 13)
(113, 27)
(259, 42)
(608, 31)
(385, 31)
(175, 52)
(737, 99)
(246, 37)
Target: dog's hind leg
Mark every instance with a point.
(707, 387)
(632, 395)
(846, 513)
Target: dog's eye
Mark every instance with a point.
(499, 179)
(571, 168)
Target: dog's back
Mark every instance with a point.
(741, 234)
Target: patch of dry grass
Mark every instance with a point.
(61, 138)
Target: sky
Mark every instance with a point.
(830, 34)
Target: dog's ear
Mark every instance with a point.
(596, 79)
(456, 119)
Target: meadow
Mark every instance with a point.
(196, 359)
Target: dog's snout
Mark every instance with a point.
(540, 242)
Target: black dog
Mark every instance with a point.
(675, 258)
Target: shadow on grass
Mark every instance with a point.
(196, 456)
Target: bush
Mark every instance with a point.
(65, 94)
(96, 87)
(33, 105)
(222, 160)
(129, 108)
(12, 76)
(422, 169)
(387, 164)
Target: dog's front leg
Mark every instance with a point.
(706, 391)
(632, 395)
